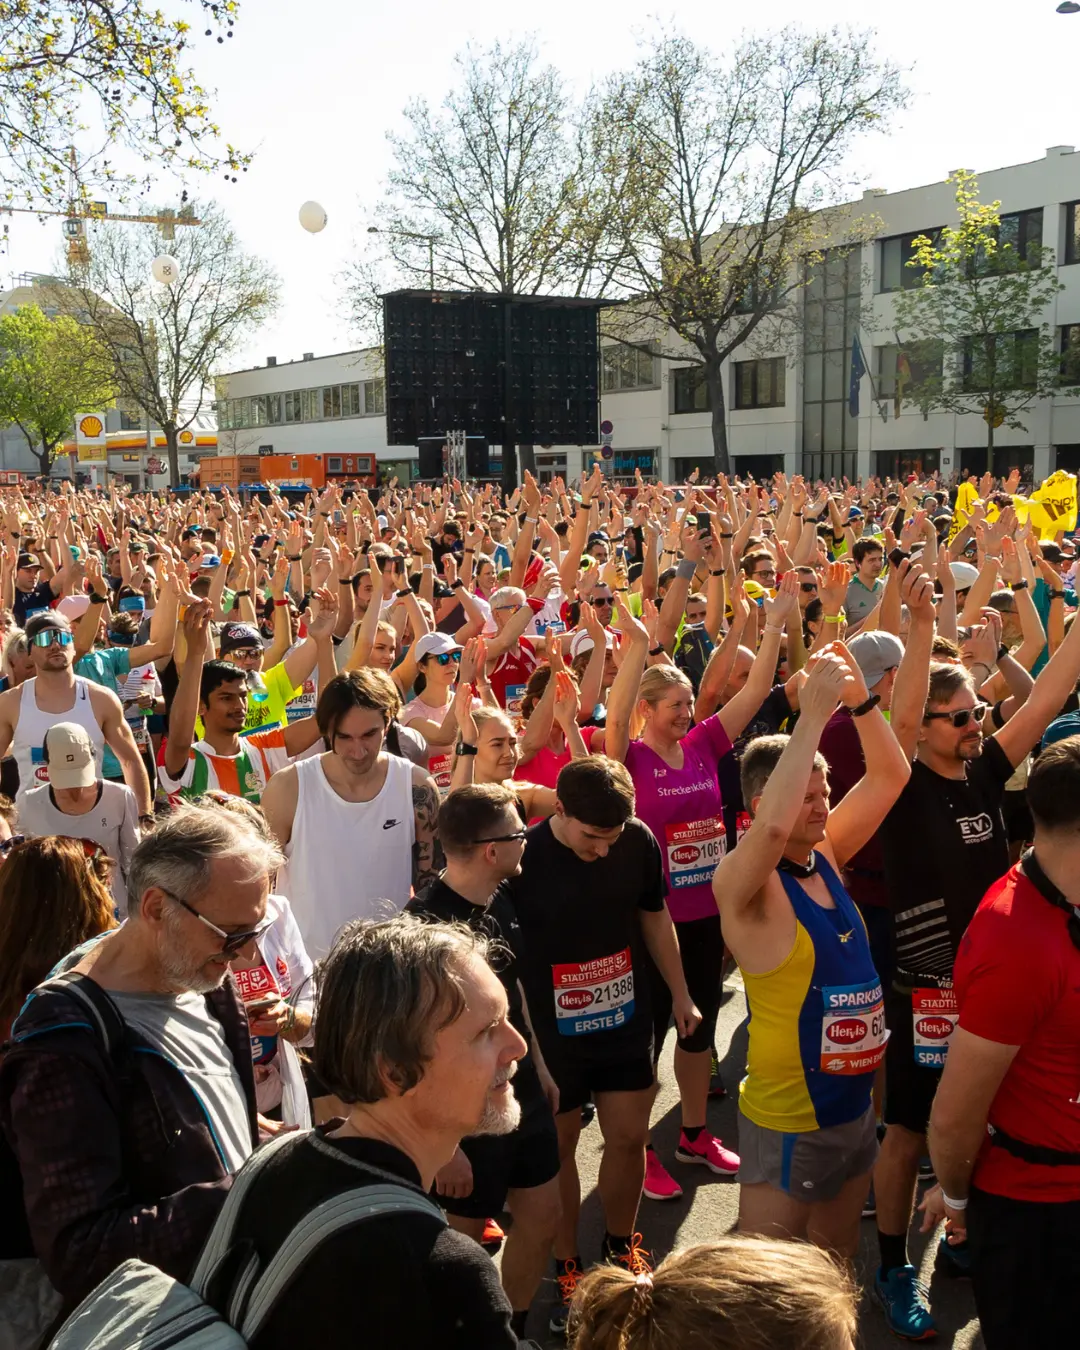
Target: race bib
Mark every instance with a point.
(252, 984)
(853, 1031)
(514, 695)
(303, 705)
(742, 824)
(594, 995)
(441, 767)
(694, 848)
(934, 1015)
(41, 768)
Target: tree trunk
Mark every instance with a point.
(715, 385)
(990, 444)
(44, 457)
(171, 446)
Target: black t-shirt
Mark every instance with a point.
(498, 921)
(774, 715)
(583, 956)
(944, 846)
(41, 597)
(397, 1280)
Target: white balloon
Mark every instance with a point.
(165, 269)
(312, 217)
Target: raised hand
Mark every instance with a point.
(780, 607)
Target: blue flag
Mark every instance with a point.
(858, 370)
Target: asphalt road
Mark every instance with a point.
(709, 1205)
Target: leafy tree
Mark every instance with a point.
(51, 370)
(167, 341)
(102, 74)
(983, 296)
(725, 178)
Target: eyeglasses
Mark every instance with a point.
(230, 942)
(6, 845)
(444, 658)
(961, 717)
(503, 838)
(807, 585)
(245, 653)
(602, 600)
(51, 635)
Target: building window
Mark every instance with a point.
(350, 400)
(131, 421)
(333, 464)
(625, 367)
(924, 360)
(374, 398)
(273, 409)
(689, 392)
(1019, 237)
(1001, 360)
(1070, 353)
(896, 253)
(831, 306)
(294, 411)
(258, 411)
(1072, 232)
(311, 405)
(760, 384)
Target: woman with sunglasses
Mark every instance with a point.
(438, 659)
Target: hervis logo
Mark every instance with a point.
(91, 426)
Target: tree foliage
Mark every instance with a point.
(498, 178)
(51, 370)
(103, 74)
(730, 173)
(167, 341)
(983, 298)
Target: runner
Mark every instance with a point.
(438, 658)
(674, 768)
(590, 901)
(357, 825)
(57, 694)
(483, 839)
(216, 692)
(1014, 1192)
(951, 808)
(817, 1031)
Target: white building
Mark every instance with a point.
(782, 412)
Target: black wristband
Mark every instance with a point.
(96, 599)
(716, 574)
(455, 584)
(291, 558)
(1056, 595)
(405, 590)
(239, 593)
(655, 651)
(727, 536)
(1018, 585)
(463, 749)
(863, 708)
(1003, 651)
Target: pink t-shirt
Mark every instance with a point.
(441, 758)
(684, 810)
(543, 768)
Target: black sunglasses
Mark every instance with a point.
(961, 717)
(6, 845)
(230, 942)
(603, 600)
(502, 838)
(807, 585)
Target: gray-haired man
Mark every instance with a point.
(129, 1098)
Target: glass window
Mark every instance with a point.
(332, 401)
(835, 380)
(609, 369)
(293, 407)
(623, 367)
(759, 384)
(1070, 353)
(1072, 233)
(350, 400)
(258, 410)
(243, 413)
(1019, 236)
(273, 409)
(374, 398)
(689, 390)
(333, 464)
(1002, 360)
(311, 405)
(896, 253)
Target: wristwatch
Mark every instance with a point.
(863, 708)
(464, 749)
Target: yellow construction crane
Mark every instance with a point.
(75, 218)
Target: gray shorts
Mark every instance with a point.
(811, 1167)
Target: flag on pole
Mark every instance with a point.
(858, 370)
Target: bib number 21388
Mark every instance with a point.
(593, 995)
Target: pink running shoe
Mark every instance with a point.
(707, 1149)
(659, 1183)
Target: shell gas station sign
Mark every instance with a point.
(90, 441)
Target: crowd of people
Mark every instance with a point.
(376, 842)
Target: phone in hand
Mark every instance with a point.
(260, 1005)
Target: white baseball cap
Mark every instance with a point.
(964, 575)
(582, 642)
(435, 644)
(70, 756)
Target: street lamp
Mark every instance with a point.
(430, 239)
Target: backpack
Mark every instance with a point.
(139, 1307)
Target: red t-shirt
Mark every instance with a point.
(511, 675)
(1017, 979)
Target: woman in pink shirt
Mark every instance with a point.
(674, 767)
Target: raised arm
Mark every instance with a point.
(1055, 683)
(737, 712)
(624, 691)
(185, 705)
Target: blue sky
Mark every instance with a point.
(314, 87)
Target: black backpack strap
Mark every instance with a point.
(104, 1017)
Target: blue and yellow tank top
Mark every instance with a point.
(817, 1021)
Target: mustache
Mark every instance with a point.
(505, 1075)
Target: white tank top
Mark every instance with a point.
(346, 860)
(28, 743)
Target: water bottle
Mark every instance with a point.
(256, 687)
(146, 688)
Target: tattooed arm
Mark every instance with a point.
(427, 855)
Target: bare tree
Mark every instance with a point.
(167, 341)
(730, 174)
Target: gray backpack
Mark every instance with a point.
(138, 1307)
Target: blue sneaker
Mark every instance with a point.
(953, 1261)
(905, 1303)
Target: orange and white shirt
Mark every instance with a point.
(243, 775)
